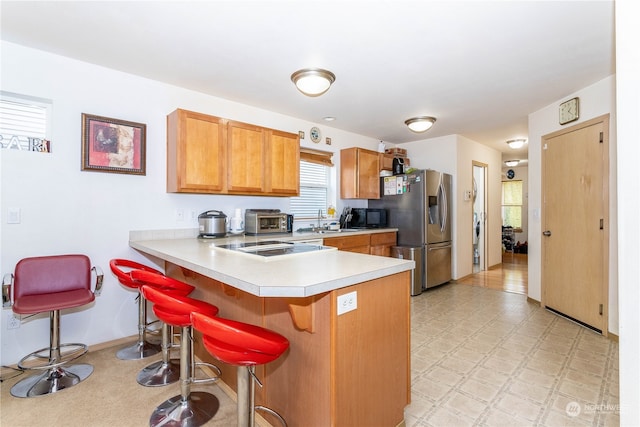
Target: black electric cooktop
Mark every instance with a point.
(269, 248)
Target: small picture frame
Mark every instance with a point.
(301, 134)
(327, 141)
(113, 145)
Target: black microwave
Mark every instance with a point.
(368, 218)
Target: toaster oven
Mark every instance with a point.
(267, 221)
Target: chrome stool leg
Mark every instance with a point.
(188, 409)
(141, 348)
(246, 379)
(55, 377)
(165, 371)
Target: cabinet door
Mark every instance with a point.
(359, 174)
(368, 174)
(282, 163)
(357, 243)
(246, 152)
(381, 243)
(195, 153)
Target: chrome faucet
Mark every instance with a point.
(319, 217)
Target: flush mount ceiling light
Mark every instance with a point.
(516, 143)
(512, 163)
(313, 81)
(420, 124)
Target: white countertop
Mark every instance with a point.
(299, 275)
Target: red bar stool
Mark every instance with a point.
(242, 345)
(51, 283)
(141, 348)
(188, 408)
(167, 370)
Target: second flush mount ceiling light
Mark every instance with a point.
(420, 123)
(313, 81)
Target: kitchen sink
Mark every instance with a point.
(342, 230)
(326, 231)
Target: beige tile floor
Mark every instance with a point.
(484, 357)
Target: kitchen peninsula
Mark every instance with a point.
(342, 369)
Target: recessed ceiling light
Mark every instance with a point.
(328, 118)
(512, 163)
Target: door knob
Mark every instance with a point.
(547, 233)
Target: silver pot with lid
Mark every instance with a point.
(212, 224)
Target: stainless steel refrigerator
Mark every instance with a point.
(420, 209)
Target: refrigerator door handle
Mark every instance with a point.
(437, 247)
(443, 208)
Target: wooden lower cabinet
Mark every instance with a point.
(381, 243)
(359, 243)
(373, 244)
(340, 371)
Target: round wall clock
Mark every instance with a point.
(511, 174)
(315, 134)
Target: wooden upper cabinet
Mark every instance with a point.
(282, 168)
(196, 152)
(246, 153)
(359, 174)
(207, 154)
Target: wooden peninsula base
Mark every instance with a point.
(342, 370)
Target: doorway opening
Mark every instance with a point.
(479, 219)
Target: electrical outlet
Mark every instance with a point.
(12, 321)
(180, 215)
(347, 302)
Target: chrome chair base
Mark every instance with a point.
(51, 380)
(195, 411)
(159, 373)
(138, 350)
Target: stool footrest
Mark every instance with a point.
(208, 380)
(62, 358)
(272, 412)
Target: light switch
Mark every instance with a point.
(13, 216)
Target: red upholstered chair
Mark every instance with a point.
(142, 347)
(188, 408)
(244, 346)
(51, 283)
(167, 370)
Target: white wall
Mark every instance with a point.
(595, 100)
(454, 154)
(65, 210)
(628, 128)
(468, 152)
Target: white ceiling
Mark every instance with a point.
(480, 67)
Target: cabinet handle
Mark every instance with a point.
(547, 233)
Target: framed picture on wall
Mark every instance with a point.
(112, 145)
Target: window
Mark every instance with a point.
(24, 123)
(315, 184)
(512, 204)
